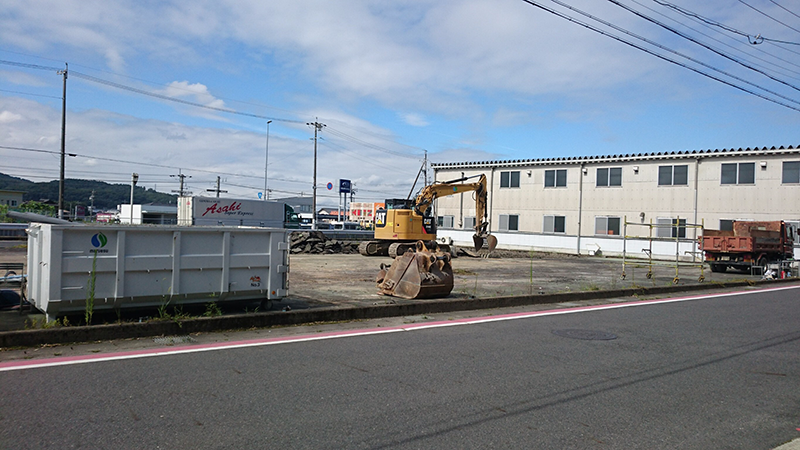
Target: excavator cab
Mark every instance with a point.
(399, 203)
(405, 221)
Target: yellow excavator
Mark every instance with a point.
(422, 270)
(405, 221)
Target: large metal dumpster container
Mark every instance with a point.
(149, 266)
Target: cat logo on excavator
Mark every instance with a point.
(404, 221)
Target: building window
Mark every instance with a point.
(509, 179)
(739, 173)
(509, 222)
(791, 172)
(609, 177)
(469, 223)
(445, 221)
(13, 203)
(555, 178)
(673, 175)
(554, 224)
(606, 226)
(726, 225)
(671, 228)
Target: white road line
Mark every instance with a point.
(84, 359)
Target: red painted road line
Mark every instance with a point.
(83, 359)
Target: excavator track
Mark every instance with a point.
(400, 248)
(373, 248)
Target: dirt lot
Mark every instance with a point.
(349, 280)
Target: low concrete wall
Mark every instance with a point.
(662, 249)
(63, 335)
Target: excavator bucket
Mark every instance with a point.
(489, 239)
(422, 273)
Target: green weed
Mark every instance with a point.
(212, 310)
(90, 291)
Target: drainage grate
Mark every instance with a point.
(586, 335)
(172, 340)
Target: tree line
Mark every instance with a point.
(78, 192)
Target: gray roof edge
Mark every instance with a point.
(569, 160)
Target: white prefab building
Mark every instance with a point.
(581, 205)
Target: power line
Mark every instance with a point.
(341, 148)
(177, 100)
(143, 92)
(783, 8)
(740, 50)
(30, 66)
(656, 44)
(28, 93)
(707, 47)
(367, 144)
(657, 55)
(375, 135)
(767, 15)
(200, 105)
(753, 39)
(163, 166)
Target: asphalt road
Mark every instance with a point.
(715, 372)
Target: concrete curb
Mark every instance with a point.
(63, 335)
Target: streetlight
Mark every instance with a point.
(134, 180)
(266, 163)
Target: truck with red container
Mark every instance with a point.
(749, 244)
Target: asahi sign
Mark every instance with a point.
(211, 211)
(224, 208)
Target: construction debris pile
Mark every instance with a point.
(317, 242)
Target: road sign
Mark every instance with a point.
(330, 186)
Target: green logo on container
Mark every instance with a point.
(99, 240)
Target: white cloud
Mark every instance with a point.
(196, 92)
(433, 56)
(103, 139)
(9, 117)
(416, 120)
(461, 66)
(114, 60)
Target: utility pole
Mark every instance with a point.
(266, 163)
(425, 165)
(217, 190)
(91, 208)
(63, 136)
(317, 128)
(181, 192)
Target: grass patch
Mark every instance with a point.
(463, 272)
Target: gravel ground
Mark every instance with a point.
(347, 280)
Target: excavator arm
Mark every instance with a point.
(428, 194)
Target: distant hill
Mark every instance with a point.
(76, 192)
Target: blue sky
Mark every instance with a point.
(463, 80)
